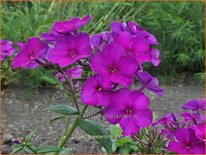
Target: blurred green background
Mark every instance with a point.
(178, 26)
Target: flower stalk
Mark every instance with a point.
(73, 127)
(71, 88)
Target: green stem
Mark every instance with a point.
(93, 114)
(71, 88)
(73, 127)
(139, 141)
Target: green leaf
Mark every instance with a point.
(124, 150)
(123, 141)
(30, 135)
(56, 118)
(29, 150)
(115, 130)
(49, 79)
(62, 109)
(65, 151)
(98, 131)
(114, 145)
(17, 149)
(47, 149)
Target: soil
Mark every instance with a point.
(20, 115)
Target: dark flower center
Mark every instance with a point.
(31, 57)
(187, 146)
(72, 53)
(128, 50)
(129, 111)
(113, 69)
(99, 88)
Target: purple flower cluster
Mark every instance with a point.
(117, 62)
(185, 136)
(7, 49)
(63, 46)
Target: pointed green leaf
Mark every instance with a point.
(30, 135)
(62, 109)
(17, 149)
(51, 80)
(47, 149)
(98, 131)
(65, 151)
(56, 118)
(29, 149)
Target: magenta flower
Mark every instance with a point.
(166, 120)
(2, 56)
(20, 44)
(195, 105)
(155, 54)
(149, 82)
(30, 52)
(138, 47)
(71, 73)
(96, 92)
(138, 30)
(118, 27)
(98, 41)
(112, 64)
(199, 130)
(133, 29)
(69, 49)
(52, 36)
(7, 49)
(130, 110)
(186, 142)
(70, 25)
(191, 117)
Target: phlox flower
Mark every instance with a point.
(112, 64)
(96, 92)
(138, 30)
(166, 120)
(99, 40)
(69, 49)
(7, 48)
(52, 36)
(138, 47)
(155, 54)
(118, 27)
(19, 44)
(30, 52)
(71, 73)
(191, 117)
(186, 142)
(133, 29)
(199, 130)
(130, 110)
(195, 105)
(149, 82)
(70, 25)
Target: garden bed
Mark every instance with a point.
(21, 116)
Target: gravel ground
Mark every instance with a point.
(21, 116)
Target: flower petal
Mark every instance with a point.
(139, 100)
(129, 126)
(124, 39)
(143, 118)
